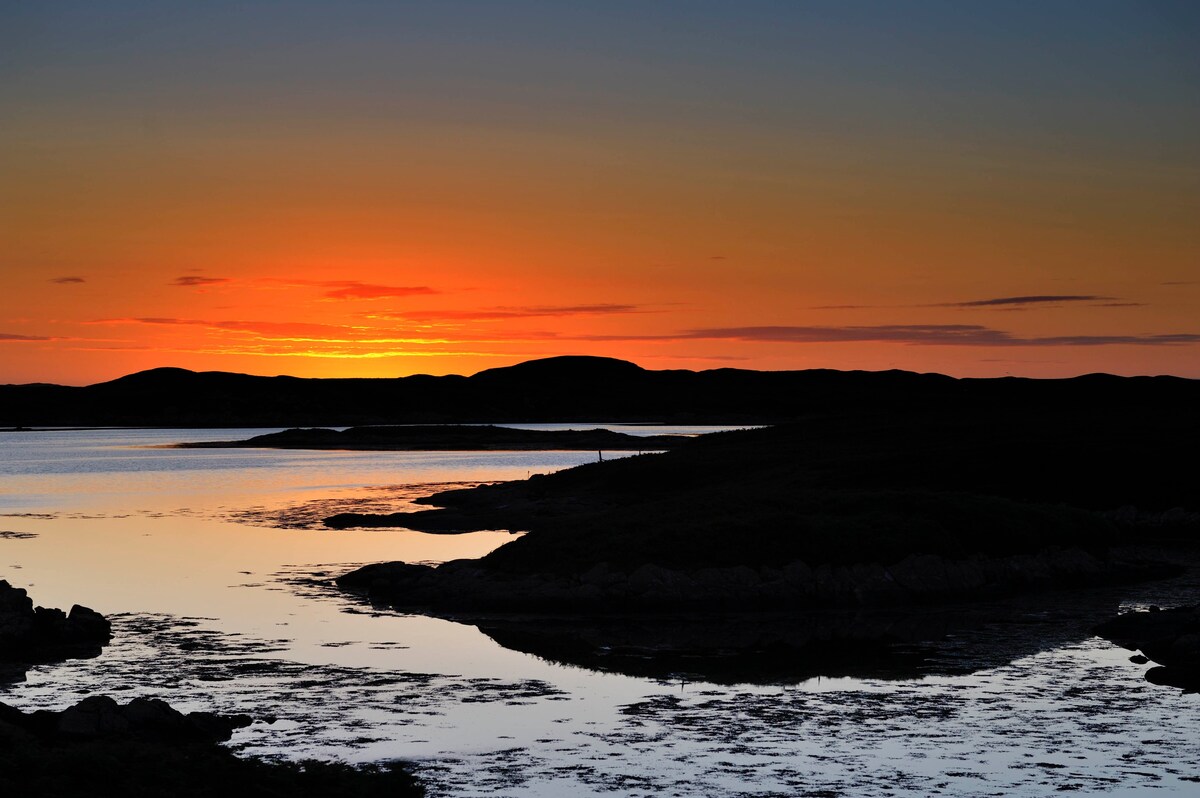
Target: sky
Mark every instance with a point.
(376, 189)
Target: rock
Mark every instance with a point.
(102, 718)
(1170, 638)
(84, 623)
(1133, 629)
(1186, 680)
(16, 616)
(31, 634)
(1179, 651)
(94, 716)
(386, 572)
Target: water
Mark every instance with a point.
(214, 567)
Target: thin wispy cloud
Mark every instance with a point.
(194, 280)
(1003, 302)
(930, 335)
(296, 332)
(67, 280)
(1017, 301)
(518, 312)
(17, 338)
(352, 289)
(913, 334)
(266, 327)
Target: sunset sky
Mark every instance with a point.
(388, 188)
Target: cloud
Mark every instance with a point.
(913, 334)
(518, 312)
(352, 289)
(1036, 299)
(290, 331)
(15, 337)
(1003, 302)
(1167, 339)
(928, 335)
(263, 327)
(67, 280)
(955, 334)
(266, 327)
(148, 320)
(192, 280)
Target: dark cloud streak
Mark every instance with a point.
(912, 334)
(195, 280)
(1001, 303)
(17, 338)
(522, 312)
(930, 335)
(1036, 299)
(352, 289)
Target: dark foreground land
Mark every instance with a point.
(146, 747)
(901, 502)
(449, 437)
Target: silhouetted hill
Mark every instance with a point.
(559, 389)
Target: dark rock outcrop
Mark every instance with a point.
(146, 748)
(102, 718)
(32, 635)
(1170, 638)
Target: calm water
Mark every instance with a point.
(213, 566)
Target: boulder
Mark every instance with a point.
(32, 634)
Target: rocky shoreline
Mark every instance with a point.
(463, 585)
(147, 748)
(1170, 638)
(101, 718)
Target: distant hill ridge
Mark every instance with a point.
(569, 388)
